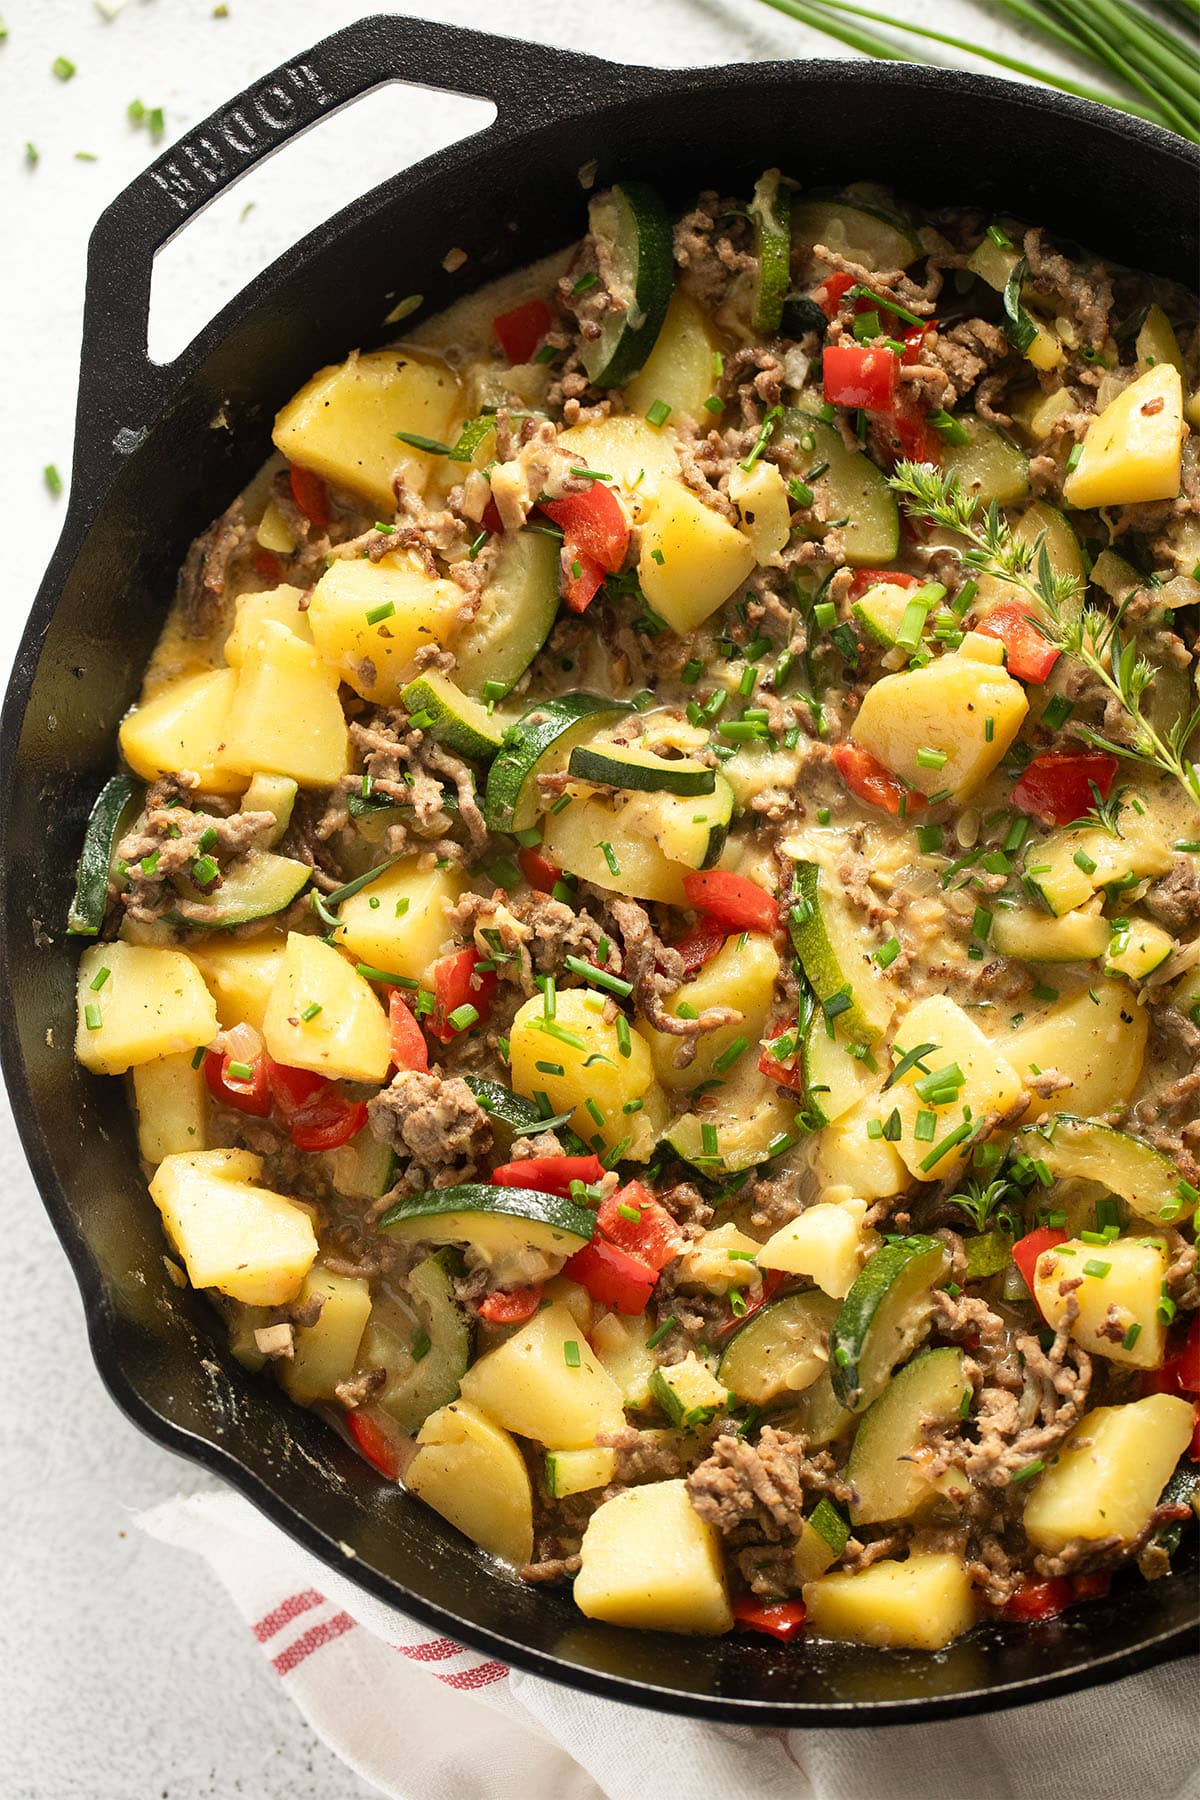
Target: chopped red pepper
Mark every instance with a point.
(511, 1306)
(612, 1276)
(734, 901)
(772, 1281)
(858, 376)
(913, 339)
(776, 1618)
(266, 564)
(581, 579)
(1189, 1360)
(1056, 786)
(409, 1049)
(317, 1114)
(310, 494)
(869, 780)
(787, 1070)
(520, 331)
(653, 1237)
(869, 578)
(593, 522)
(251, 1096)
(700, 944)
(1026, 1250)
(549, 1174)
(830, 293)
(914, 435)
(1028, 654)
(1038, 1600)
(538, 870)
(455, 984)
(376, 1438)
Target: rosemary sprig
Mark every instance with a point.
(1090, 636)
(998, 1204)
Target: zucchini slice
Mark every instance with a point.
(989, 467)
(516, 612)
(783, 1349)
(876, 239)
(110, 818)
(688, 1392)
(424, 1366)
(455, 719)
(817, 1414)
(881, 611)
(514, 1116)
(771, 214)
(640, 844)
(884, 1317)
(1144, 1178)
(752, 1121)
(617, 765)
(834, 1079)
(1031, 936)
(636, 228)
(275, 794)
(854, 488)
(363, 1169)
(539, 744)
(1070, 865)
(496, 1221)
(1137, 948)
(256, 886)
(836, 957)
(885, 1459)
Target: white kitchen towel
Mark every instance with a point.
(423, 1719)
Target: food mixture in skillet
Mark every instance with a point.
(652, 911)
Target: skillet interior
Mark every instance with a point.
(159, 452)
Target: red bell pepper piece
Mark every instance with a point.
(654, 1237)
(549, 1174)
(772, 1281)
(1090, 1587)
(1026, 1250)
(251, 1096)
(913, 339)
(612, 1276)
(830, 293)
(869, 780)
(1189, 1360)
(1029, 655)
(520, 331)
(854, 375)
(776, 1618)
(581, 579)
(786, 1070)
(310, 494)
(538, 870)
(734, 901)
(700, 944)
(455, 984)
(511, 1306)
(869, 578)
(317, 1114)
(917, 439)
(376, 1438)
(409, 1049)
(594, 523)
(1038, 1600)
(1056, 786)
(266, 564)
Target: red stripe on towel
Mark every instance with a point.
(285, 1612)
(482, 1675)
(436, 1650)
(313, 1639)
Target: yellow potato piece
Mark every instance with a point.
(742, 974)
(1120, 1286)
(528, 1386)
(761, 497)
(991, 1085)
(1132, 449)
(376, 659)
(152, 1003)
(408, 930)
(240, 973)
(325, 1353)
(944, 708)
(1107, 1475)
(170, 1096)
(245, 1241)
(609, 1084)
(692, 559)
(286, 718)
(282, 604)
(827, 1243)
(185, 726)
(348, 1039)
(921, 1604)
(847, 1156)
(343, 423)
(1099, 1043)
(638, 457)
(471, 1472)
(650, 1562)
(681, 370)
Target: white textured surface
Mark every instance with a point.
(123, 1673)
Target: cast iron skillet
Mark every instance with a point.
(160, 450)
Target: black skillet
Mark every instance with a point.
(160, 450)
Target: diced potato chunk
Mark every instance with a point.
(742, 974)
(720, 1260)
(1097, 1037)
(1132, 449)
(1107, 1475)
(634, 454)
(240, 973)
(274, 532)
(911, 720)
(922, 1604)
(528, 1386)
(620, 1346)
(326, 1352)
(827, 1243)
(650, 1562)
(348, 1039)
(1121, 1284)
(245, 1241)
(185, 726)
(761, 497)
(151, 1003)
(407, 931)
(846, 1154)
(169, 1094)
(578, 1471)
(680, 370)
(343, 423)
(374, 654)
(990, 1083)
(692, 559)
(286, 718)
(609, 1084)
(471, 1472)
(280, 604)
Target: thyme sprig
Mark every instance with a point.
(1091, 636)
(997, 1204)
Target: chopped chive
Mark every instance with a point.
(725, 1061)
(1057, 712)
(887, 953)
(1131, 1336)
(99, 979)
(929, 839)
(1096, 1268)
(658, 413)
(948, 1143)
(989, 730)
(594, 1112)
(553, 1029)
(714, 404)
(386, 976)
(932, 759)
(600, 978)
(63, 67)
(430, 446)
(92, 1016)
(571, 1353)
(925, 1127)
(607, 851)
(660, 1331)
(949, 427)
(1083, 861)
(624, 1042)
(1031, 1468)
(239, 1071)
(1042, 991)
(53, 480)
(377, 614)
(910, 1059)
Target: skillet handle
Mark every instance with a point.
(121, 390)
